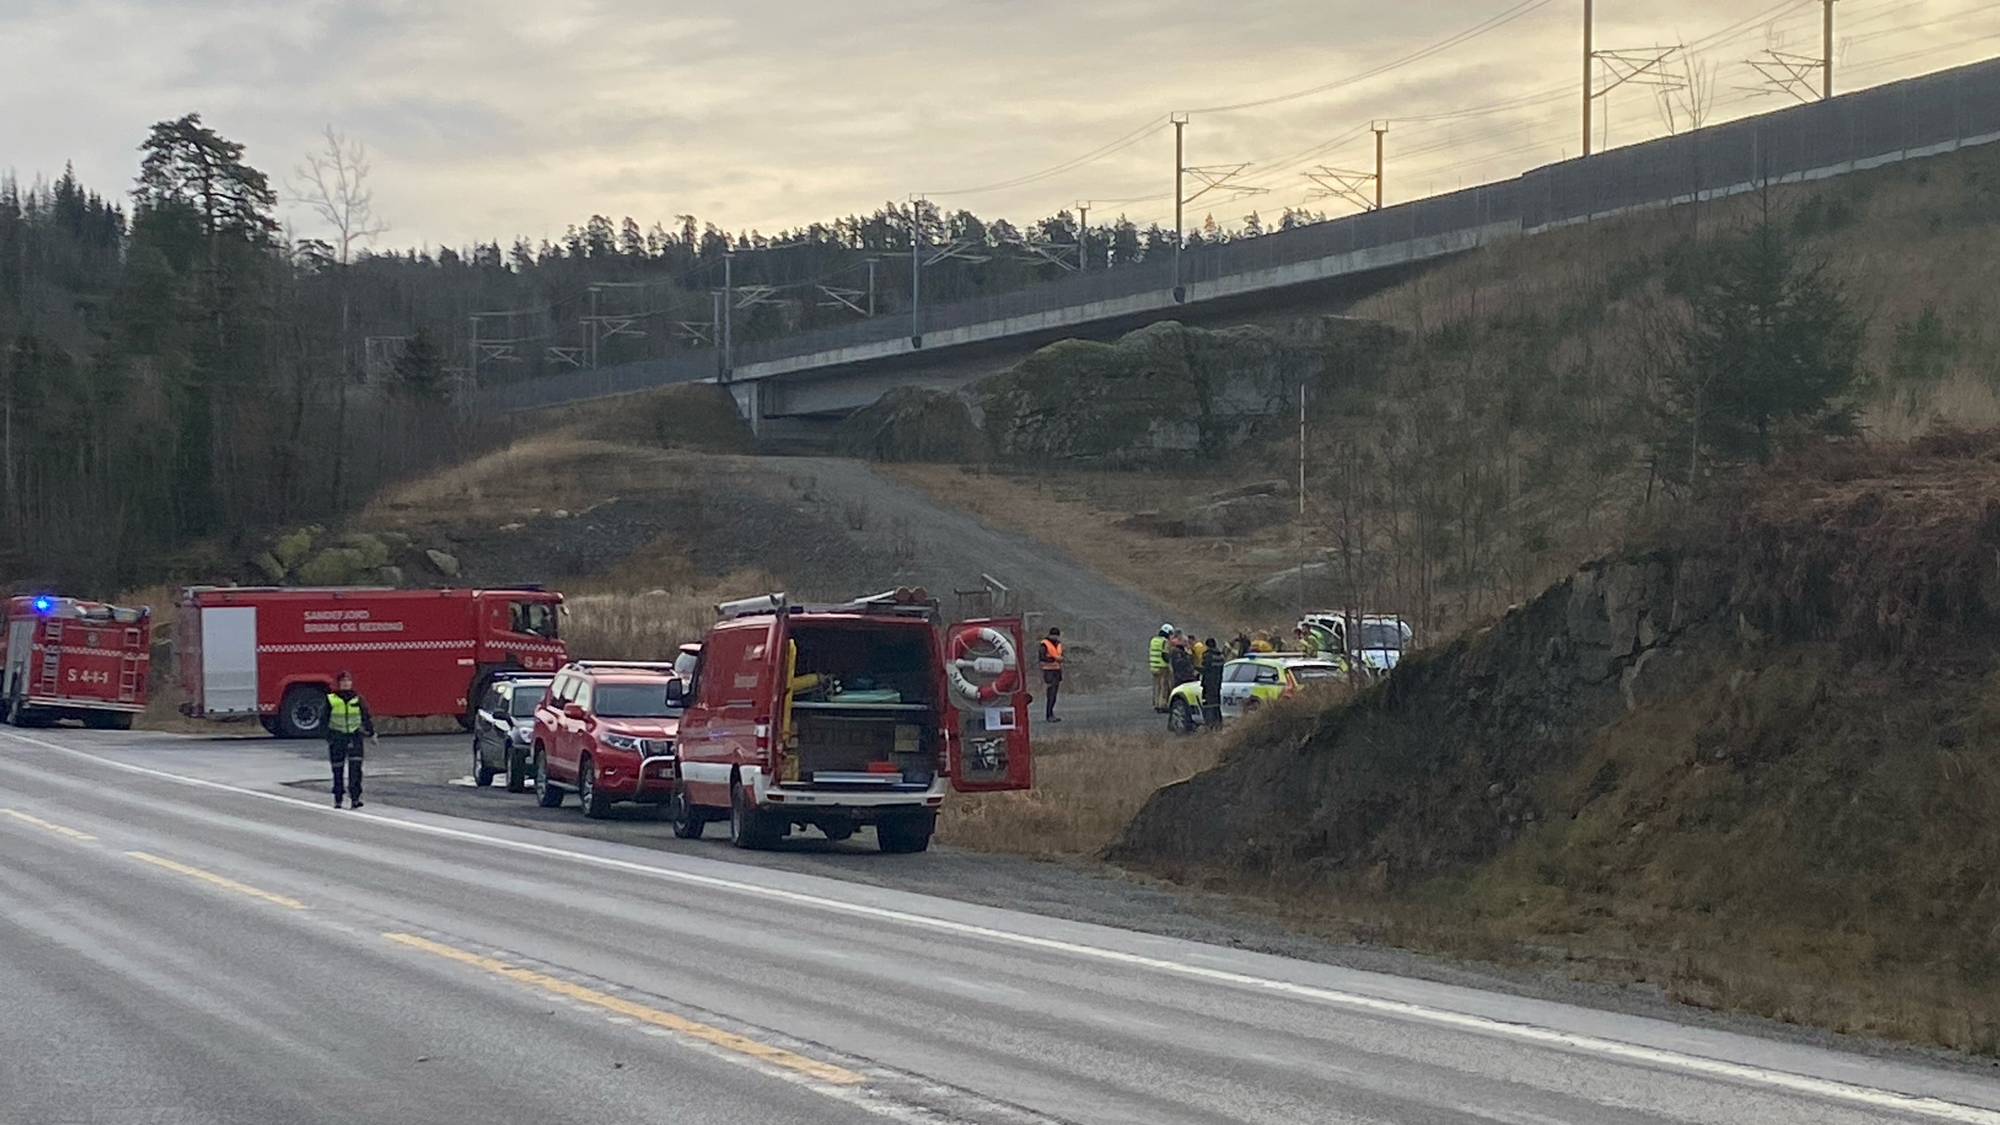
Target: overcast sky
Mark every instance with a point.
(490, 118)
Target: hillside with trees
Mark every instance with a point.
(175, 364)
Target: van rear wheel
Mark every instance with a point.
(902, 835)
(748, 828)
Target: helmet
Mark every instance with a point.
(1166, 630)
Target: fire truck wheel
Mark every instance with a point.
(302, 713)
(107, 720)
(910, 832)
(689, 823)
(546, 795)
(596, 804)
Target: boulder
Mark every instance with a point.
(1162, 392)
(389, 575)
(1254, 488)
(913, 424)
(370, 549)
(335, 566)
(442, 562)
(267, 565)
(1237, 516)
(292, 547)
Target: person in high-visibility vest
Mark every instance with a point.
(1156, 663)
(347, 724)
(1052, 670)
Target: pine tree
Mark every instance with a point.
(419, 370)
(1769, 353)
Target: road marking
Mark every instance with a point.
(213, 879)
(1829, 1089)
(44, 825)
(640, 1013)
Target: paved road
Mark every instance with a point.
(178, 949)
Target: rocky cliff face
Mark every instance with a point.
(1428, 769)
(1844, 608)
(1166, 390)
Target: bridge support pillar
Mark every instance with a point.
(750, 404)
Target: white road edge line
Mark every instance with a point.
(1824, 1088)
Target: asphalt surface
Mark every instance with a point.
(179, 948)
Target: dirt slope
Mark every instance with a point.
(1759, 763)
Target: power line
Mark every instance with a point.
(1500, 19)
(1075, 163)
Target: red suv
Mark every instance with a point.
(604, 732)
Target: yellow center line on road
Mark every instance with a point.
(213, 879)
(679, 1025)
(46, 826)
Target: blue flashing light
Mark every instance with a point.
(45, 605)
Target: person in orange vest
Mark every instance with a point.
(1052, 672)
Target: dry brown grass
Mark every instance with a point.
(610, 621)
(535, 475)
(1087, 789)
(1081, 512)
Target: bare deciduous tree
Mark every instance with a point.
(1688, 105)
(333, 184)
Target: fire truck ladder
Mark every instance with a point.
(51, 655)
(128, 678)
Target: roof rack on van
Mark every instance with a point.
(905, 600)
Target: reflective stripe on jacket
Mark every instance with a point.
(1156, 653)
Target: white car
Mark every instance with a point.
(1379, 639)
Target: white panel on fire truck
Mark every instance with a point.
(20, 642)
(229, 660)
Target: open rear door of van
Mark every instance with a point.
(987, 665)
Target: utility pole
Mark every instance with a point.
(1380, 129)
(472, 356)
(1589, 55)
(728, 314)
(1180, 121)
(1083, 236)
(1826, 50)
(715, 330)
(593, 328)
(871, 287)
(916, 272)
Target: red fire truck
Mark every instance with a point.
(70, 659)
(273, 652)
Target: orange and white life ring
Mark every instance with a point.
(1001, 669)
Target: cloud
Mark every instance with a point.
(488, 118)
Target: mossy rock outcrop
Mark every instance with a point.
(913, 424)
(1165, 390)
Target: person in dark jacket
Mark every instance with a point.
(348, 723)
(1181, 662)
(1211, 685)
(1240, 647)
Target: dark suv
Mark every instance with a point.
(604, 732)
(503, 728)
